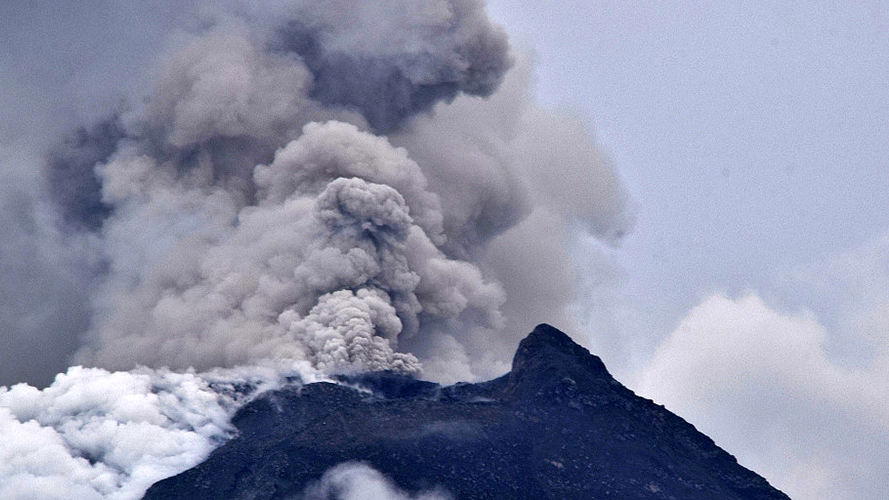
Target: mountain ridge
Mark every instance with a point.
(557, 426)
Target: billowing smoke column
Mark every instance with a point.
(328, 252)
(248, 211)
(332, 262)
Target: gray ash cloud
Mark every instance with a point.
(207, 195)
(286, 187)
(394, 61)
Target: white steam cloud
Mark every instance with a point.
(95, 434)
(358, 481)
(243, 208)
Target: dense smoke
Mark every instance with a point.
(393, 60)
(241, 207)
(245, 210)
(331, 264)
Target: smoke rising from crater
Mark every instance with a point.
(342, 223)
(311, 186)
(247, 210)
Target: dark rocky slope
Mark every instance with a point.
(557, 426)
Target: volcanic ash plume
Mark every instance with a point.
(330, 264)
(245, 211)
(245, 207)
(330, 250)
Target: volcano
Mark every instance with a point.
(557, 426)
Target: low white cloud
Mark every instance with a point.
(759, 382)
(358, 481)
(94, 434)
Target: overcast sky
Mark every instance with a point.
(753, 140)
(751, 297)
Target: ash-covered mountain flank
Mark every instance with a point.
(557, 426)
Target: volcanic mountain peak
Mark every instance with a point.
(557, 426)
(548, 344)
(548, 355)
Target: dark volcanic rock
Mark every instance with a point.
(557, 426)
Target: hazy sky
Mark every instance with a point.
(752, 295)
(753, 140)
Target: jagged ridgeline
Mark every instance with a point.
(557, 426)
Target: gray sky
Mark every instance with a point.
(752, 296)
(753, 140)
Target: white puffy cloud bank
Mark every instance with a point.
(760, 381)
(95, 434)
